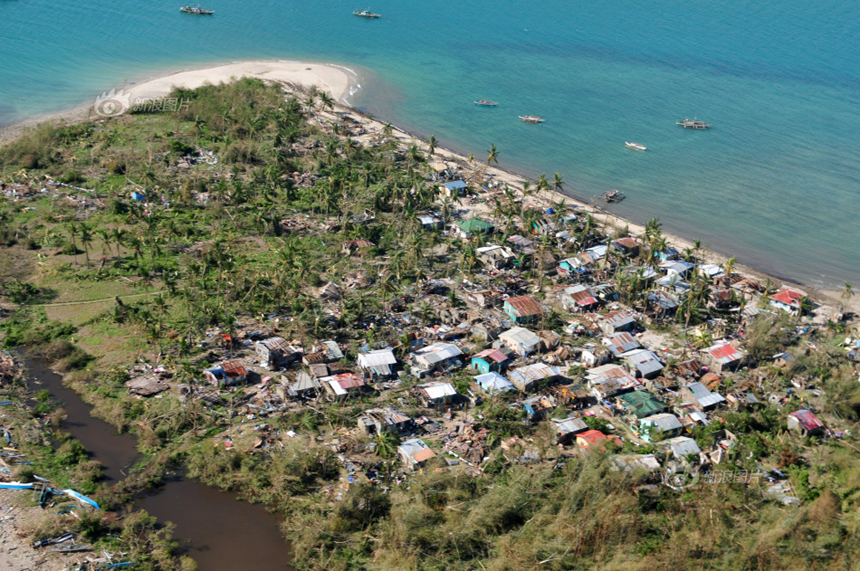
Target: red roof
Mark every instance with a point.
(726, 351)
(807, 419)
(584, 298)
(596, 438)
(234, 369)
(525, 305)
(348, 380)
(423, 454)
(491, 355)
(788, 297)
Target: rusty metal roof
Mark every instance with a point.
(524, 306)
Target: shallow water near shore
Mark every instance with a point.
(776, 182)
(213, 527)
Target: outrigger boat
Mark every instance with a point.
(613, 196)
(196, 10)
(365, 14)
(635, 146)
(485, 103)
(692, 124)
(531, 119)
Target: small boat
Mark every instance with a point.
(532, 119)
(485, 103)
(692, 124)
(365, 14)
(196, 10)
(613, 196)
(634, 146)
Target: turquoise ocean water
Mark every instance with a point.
(776, 182)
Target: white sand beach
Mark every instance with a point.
(299, 76)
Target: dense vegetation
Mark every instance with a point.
(232, 242)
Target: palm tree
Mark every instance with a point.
(847, 294)
(86, 239)
(72, 230)
(386, 444)
(697, 247)
(492, 155)
(558, 182)
(432, 148)
(542, 183)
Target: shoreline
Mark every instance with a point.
(338, 81)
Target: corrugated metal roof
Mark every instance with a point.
(491, 355)
(663, 422)
(524, 376)
(710, 400)
(423, 454)
(522, 336)
(683, 446)
(524, 306)
(376, 358)
(619, 343)
(725, 354)
(438, 390)
(807, 419)
(569, 425)
(645, 361)
(437, 353)
(619, 318)
(788, 297)
(494, 383)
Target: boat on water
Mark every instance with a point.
(613, 196)
(485, 103)
(365, 14)
(688, 123)
(634, 146)
(532, 119)
(196, 10)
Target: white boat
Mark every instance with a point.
(634, 146)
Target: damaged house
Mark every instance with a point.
(378, 363)
(439, 357)
(379, 420)
(228, 373)
(277, 352)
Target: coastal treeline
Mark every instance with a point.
(160, 239)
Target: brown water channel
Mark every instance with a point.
(220, 532)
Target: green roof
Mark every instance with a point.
(642, 403)
(473, 225)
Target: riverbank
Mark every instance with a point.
(337, 82)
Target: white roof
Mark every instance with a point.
(597, 252)
(682, 446)
(644, 360)
(662, 422)
(437, 353)
(494, 383)
(439, 390)
(377, 358)
(521, 335)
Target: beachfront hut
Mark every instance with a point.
(628, 247)
(454, 188)
(788, 299)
